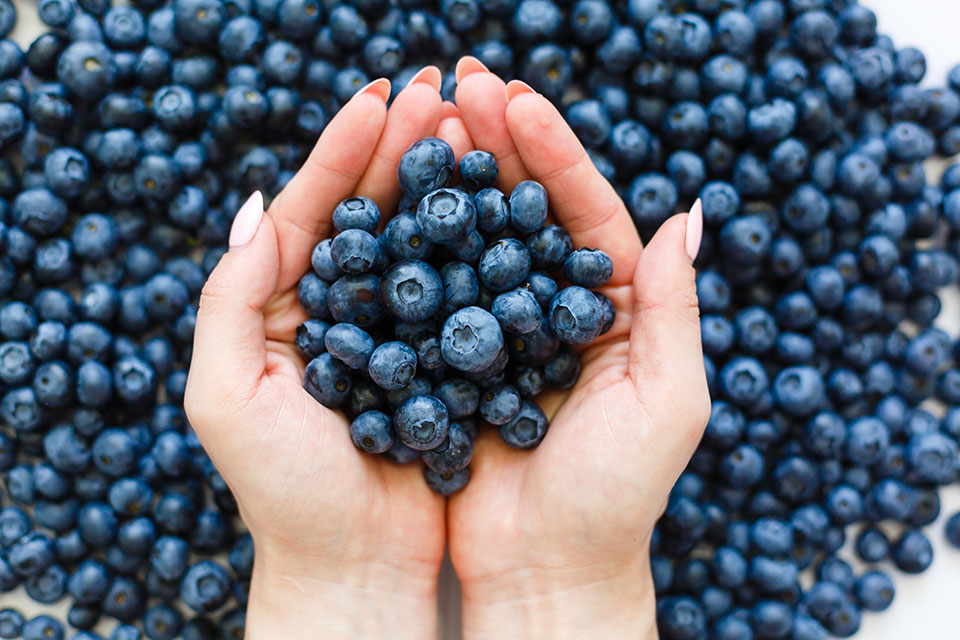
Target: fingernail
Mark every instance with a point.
(428, 75)
(379, 87)
(516, 88)
(467, 65)
(694, 230)
(247, 221)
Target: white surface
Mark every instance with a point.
(923, 607)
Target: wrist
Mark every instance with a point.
(616, 601)
(292, 598)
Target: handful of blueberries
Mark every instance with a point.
(449, 317)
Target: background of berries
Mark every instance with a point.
(923, 605)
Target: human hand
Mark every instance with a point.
(554, 543)
(346, 544)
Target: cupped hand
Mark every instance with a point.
(555, 542)
(346, 544)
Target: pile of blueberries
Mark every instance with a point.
(457, 289)
(129, 136)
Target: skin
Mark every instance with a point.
(550, 543)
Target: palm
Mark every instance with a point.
(620, 437)
(300, 483)
(315, 485)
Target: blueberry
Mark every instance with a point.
(588, 268)
(43, 627)
(461, 397)
(446, 483)
(372, 432)
(526, 429)
(517, 311)
(411, 290)
(422, 422)
(355, 298)
(576, 316)
(528, 206)
(446, 216)
(471, 339)
(327, 380)
(427, 165)
(205, 586)
(453, 454)
(478, 170)
(504, 264)
(912, 552)
(356, 213)
(392, 365)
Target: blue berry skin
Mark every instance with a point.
(912, 552)
(527, 429)
(609, 312)
(422, 422)
(392, 365)
(499, 405)
(43, 627)
(405, 240)
(576, 316)
(589, 268)
(11, 623)
(356, 299)
(162, 622)
(322, 261)
(872, 545)
(549, 247)
(31, 554)
(453, 454)
(354, 251)
(87, 69)
(357, 213)
(446, 484)
(89, 582)
(874, 591)
(681, 616)
(372, 432)
(493, 210)
(528, 206)
(205, 586)
(517, 311)
(461, 288)
(459, 396)
(310, 338)
(651, 198)
(471, 339)
(478, 170)
(504, 264)
(563, 371)
(327, 380)
(411, 290)
(446, 216)
(427, 165)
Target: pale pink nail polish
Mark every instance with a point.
(429, 75)
(379, 87)
(516, 88)
(247, 220)
(694, 230)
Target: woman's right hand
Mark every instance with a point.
(347, 544)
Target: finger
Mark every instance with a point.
(582, 200)
(229, 343)
(413, 115)
(455, 133)
(666, 358)
(302, 212)
(448, 110)
(482, 100)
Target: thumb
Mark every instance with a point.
(229, 343)
(666, 357)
